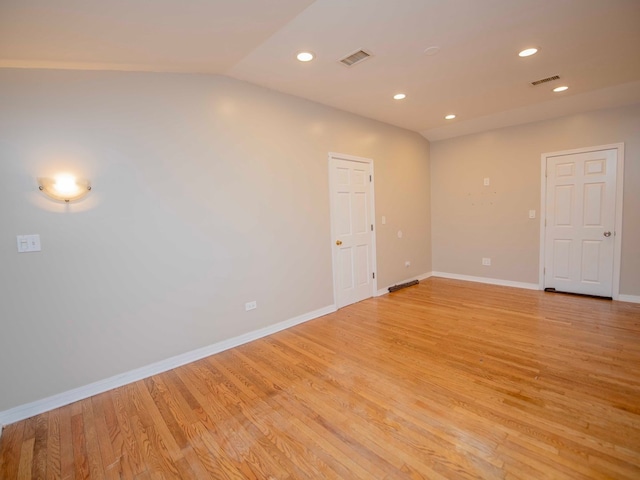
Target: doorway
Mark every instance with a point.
(581, 221)
(352, 228)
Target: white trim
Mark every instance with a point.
(543, 220)
(617, 245)
(374, 251)
(490, 281)
(629, 298)
(65, 398)
(617, 241)
(384, 291)
(372, 209)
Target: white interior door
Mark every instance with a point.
(580, 222)
(353, 240)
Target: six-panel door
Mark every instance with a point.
(352, 229)
(579, 238)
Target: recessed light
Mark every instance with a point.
(451, 116)
(561, 89)
(528, 52)
(399, 96)
(305, 56)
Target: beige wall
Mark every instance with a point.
(208, 193)
(470, 221)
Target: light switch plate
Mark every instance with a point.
(532, 214)
(487, 181)
(28, 243)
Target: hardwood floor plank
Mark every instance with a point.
(214, 457)
(126, 447)
(53, 465)
(94, 456)
(168, 418)
(166, 441)
(272, 438)
(195, 464)
(233, 432)
(66, 444)
(444, 380)
(29, 429)
(154, 453)
(368, 424)
(332, 420)
(115, 456)
(374, 393)
(285, 422)
(39, 468)
(202, 447)
(110, 463)
(240, 384)
(10, 449)
(81, 467)
(25, 467)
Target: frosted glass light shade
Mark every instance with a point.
(64, 188)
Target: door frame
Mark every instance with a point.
(369, 162)
(617, 241)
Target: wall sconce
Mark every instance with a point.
(64, 187)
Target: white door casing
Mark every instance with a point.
(352, 235)
(581, 222)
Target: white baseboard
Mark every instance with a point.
(40, 406)
(490, 281)
(509, 283)
(384, 291)
(629, 298)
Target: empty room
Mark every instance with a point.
(320, 239)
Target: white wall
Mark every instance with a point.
(207, 193)
(470, 221)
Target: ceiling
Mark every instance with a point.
(476, 74)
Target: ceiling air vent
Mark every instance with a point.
(356, 57)
(545, 80)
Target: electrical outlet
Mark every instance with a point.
(407, 264)
(251, 305)
(486, 262)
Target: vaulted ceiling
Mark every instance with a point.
(475, 73)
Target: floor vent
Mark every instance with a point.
(545, 80)
(356, 57)
(403, 285)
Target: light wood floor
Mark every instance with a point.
(446, 379)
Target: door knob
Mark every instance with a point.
(607, 234)
(338, 242)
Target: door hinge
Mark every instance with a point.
(372, 227)
(370, 179)
(544, 271)
(374, 274)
